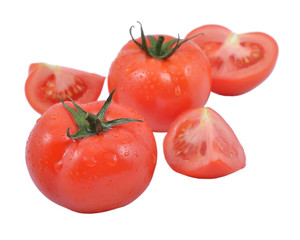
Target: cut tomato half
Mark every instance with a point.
(239, 62)
(46, 81)
(201, 144)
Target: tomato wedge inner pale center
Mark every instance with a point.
(233, 54)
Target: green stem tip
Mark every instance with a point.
(90, 124)
(158, 49)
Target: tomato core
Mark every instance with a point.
(233, 54)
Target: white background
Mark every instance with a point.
(259, 202)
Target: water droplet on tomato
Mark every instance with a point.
(112, 159)
(91, 162)
(177, 91)
(150, 74)
(115, 134)
(58, 166)
(128, 71)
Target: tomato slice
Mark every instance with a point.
(201, 144)
(46, 81)
(239, 62)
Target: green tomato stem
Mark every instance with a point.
(90, 124)
(158, 48)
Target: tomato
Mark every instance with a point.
(240, 62)
(46, 81)
(201, 144)
(160, 88)
(103, 170)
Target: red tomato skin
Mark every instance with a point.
(215, 163)
(93, 174)
(215, 169)
(242, 80)
(39, 76)
(160, 89)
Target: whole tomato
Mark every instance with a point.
(159, 81)
(91, 162)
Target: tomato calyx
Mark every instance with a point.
(158, 48)
(90, 124)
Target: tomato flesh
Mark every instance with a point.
(201, 144)
(46, 81)
(66, 86)
(239, 62)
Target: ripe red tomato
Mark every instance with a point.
(239, 62)
(159, 88)
(46, 81)
(95, 173)
(201, 144)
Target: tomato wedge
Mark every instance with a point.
(46, 81)
(240, 62)
(201, 144)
